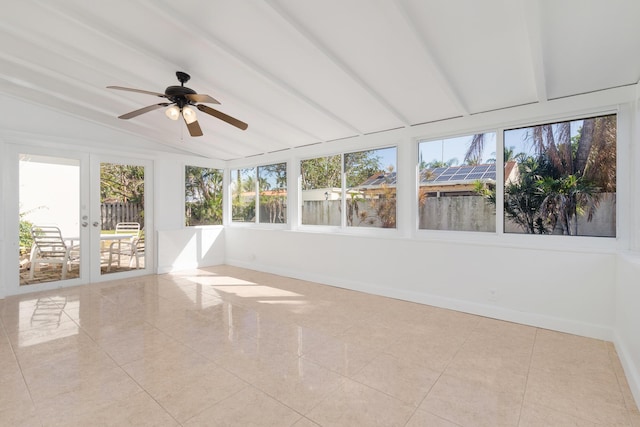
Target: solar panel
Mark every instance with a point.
(475, 175)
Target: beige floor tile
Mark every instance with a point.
(21, 414)
(423, 418)
(342, 357)
(190, 395)
(497, 355)
(433, 349)
(472, 404)
(55, 350)
(298, 383)
(305, 422)
(92, 394)
(132, 347)
(406, 382)
(158, 372)
(583, 396)
(540, 416)
(249, 407)
(68, 374)
(139, 410)
(229, 346)
(354, 404)
(13, 390)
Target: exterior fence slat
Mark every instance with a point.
(113, 213)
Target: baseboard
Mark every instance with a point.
(631, 370)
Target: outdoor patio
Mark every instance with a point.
(51, 272)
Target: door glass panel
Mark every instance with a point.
(49, 203)
(122, 242)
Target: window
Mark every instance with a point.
(269, 182)
(272, 181)
(371, 188)
(560, 178)
(321, 190)
(455, 175)
(203, 196)
(243, 195)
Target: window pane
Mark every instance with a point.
(321, 190)
(203, 196)
(243, 195)
(560, 178)
(371, 188)
(456, 174)
(273, 193)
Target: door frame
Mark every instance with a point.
(149, 261)
(90, 206)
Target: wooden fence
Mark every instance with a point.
(113, 213)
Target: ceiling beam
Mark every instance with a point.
(438, 70)
(330, 55)
(531, 16)
(273, 80)
(123, 43)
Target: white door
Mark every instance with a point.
(122, 238)
(59, 193)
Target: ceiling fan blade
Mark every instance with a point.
(222, 116)
(194, 128)
(143, 110)
(162, 95)
(198, 97)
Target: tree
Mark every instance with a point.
(121, 183)
(473, 156)
(433, 164)
(523, 200)
(580, 168)
(273, 179)
(322, 172)
(360, 166)
(203, 193)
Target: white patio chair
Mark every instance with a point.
(134, 249)
(48, 248)
(124, 246)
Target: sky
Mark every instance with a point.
(443, 150)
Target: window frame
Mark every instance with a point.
(256, 198)
(499, 173)
(184, 198)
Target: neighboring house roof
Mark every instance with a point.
(458, 174)
(449, 175)
(450, 179)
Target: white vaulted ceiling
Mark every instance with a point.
(301, 72)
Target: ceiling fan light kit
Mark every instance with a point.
(172, 112)
(181, 100)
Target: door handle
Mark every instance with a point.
(96, 223)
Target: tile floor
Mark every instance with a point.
(227, 346)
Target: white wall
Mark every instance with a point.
(627, 303)
(627, 320)
(188, 248)
(563, 290)
(180, 247)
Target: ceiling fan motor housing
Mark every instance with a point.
(177, 94)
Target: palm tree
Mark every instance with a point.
(580, 168)
(565, 199)
(475, 150)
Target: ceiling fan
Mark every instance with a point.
(181, 98)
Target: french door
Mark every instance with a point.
(68, 205)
